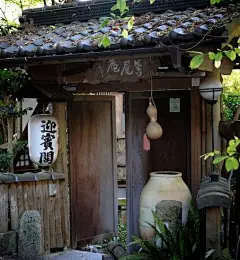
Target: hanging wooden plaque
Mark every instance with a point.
(130, 70)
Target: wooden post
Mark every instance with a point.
(10, 141)
(213, 230)
(216, 120)
(59, 111)
(195, 140)
(204, 137)
(213, 215)
(119, 114)
(18, 122)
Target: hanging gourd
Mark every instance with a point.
(153, 130)
(43, 132)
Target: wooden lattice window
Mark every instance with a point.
(24, 163)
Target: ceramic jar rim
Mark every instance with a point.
(168, 174)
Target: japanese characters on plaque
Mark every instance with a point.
(43, 139)
(130, 70)
(125, 68)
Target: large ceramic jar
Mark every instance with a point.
(164, 189)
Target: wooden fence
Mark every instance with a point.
(49, 198)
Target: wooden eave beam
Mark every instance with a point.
(52, 91)
(143, 85)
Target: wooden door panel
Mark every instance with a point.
(93, 168)
(171, 151)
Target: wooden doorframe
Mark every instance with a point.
(129, 154)
(72, 185)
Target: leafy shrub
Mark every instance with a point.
(183, 244)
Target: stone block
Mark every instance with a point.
(170, 212)
(8, 243)
(29, 239)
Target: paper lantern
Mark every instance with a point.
(211, 87)
(43, 132)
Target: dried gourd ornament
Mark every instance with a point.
(153, 129)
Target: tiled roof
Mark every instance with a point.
(168, 28)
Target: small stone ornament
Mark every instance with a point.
(153, 130)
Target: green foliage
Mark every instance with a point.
(125, 33)
(119, 20)
(232, 52)
(122, 234)
(196, 61)
(5, 160)
(231, 157)
(104, 41)
(6, 157)
(215, 2)
(25, 3)
(121, 6)
(10, 82)
(181, 244)
(19, 146)
(230, 104)
(130, 23)
(225, 255)
(231, 94)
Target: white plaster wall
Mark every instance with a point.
(28, 102)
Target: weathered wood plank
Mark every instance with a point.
(52, 218)
(158, 83)
(25, 196)
(137, 159)
(31, 195)
(13, 206)
(20, 201)
(46, 216)
(195, 140)
(40, 208)
(58, 220)
(4, 208)
(92, 184)
(64, 211)
(59, 110)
